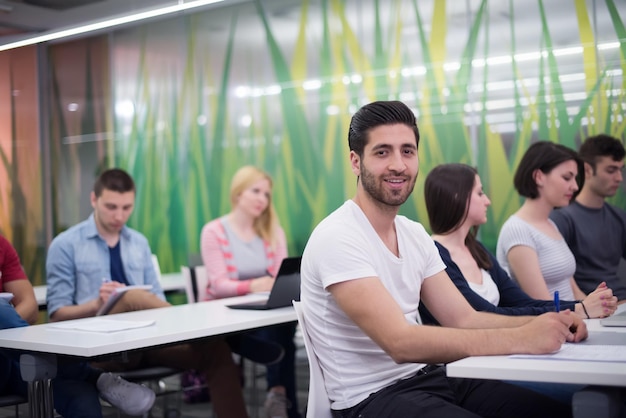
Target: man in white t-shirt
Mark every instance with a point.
(365, 270)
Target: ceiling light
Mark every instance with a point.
(108, 23)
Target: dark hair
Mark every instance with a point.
(114, 179)
(544, 156)
(447, 191)
(376, 114)
(601, 146)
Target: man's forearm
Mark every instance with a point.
(28, 312)
(492, 320)
(85, 310)
(435, 344)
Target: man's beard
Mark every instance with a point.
(374, 187)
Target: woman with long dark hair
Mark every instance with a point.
(457, 206)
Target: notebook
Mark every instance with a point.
(286, 288)
(116, 295)
(617, 320)
(6, 296)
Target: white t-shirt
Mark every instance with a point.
(488, 289)
(556, 261)
(343, 247)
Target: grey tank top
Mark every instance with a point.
(249, 257)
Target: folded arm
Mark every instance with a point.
(24, 300)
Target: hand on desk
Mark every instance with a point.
(600, 303)
(262, 284)
(547, 332)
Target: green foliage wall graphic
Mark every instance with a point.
(196, 97)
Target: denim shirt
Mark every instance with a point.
(78, 259)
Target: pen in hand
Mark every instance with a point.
(557, 302)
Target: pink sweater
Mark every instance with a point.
(219, 261)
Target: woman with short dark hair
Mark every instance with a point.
(530, 246)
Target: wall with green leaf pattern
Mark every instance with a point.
(184, 102)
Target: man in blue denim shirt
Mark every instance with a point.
(86, 263)
(78, 267)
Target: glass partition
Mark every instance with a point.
(183, 102)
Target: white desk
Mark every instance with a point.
(173, 325)
(554, 371)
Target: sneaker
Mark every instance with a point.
(129, 398)
(276, 405)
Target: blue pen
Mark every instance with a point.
(557, 302)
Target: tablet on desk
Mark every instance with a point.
(617, 320)
(286, 288)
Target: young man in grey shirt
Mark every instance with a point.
(595, 230)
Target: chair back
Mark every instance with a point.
(157, 268)
(196, 282)
(318, 405)
(194, 259)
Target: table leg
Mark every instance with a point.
(40, 403)
(38, 369)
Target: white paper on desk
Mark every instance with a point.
(102, 325)
(583, 352)
(117, 294)
(6, 296)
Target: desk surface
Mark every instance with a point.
(554, 371)
(173, 324)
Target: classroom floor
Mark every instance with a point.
(176, 408)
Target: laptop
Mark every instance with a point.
(617, 320)
(286, 288)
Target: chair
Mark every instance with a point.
(196, 281)
(318, 405)
(12, 400)
(157, 267)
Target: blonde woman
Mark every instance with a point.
(242, 252)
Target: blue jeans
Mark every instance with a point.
(74, 392)
(283, 373)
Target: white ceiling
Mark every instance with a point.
(20, 19)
